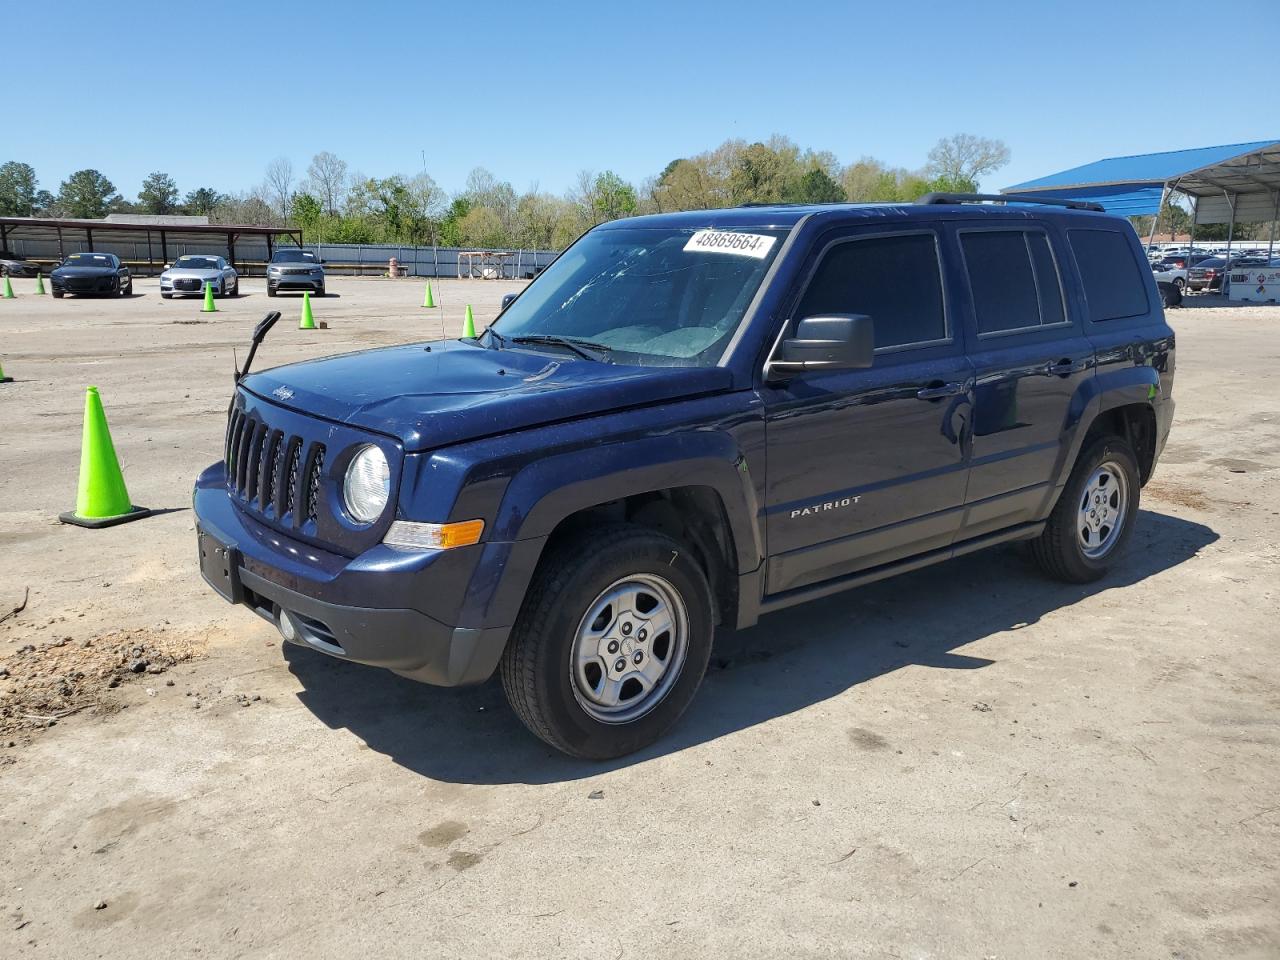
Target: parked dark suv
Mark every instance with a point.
(691, 420)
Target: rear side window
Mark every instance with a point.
(896, 280)
(1013, 279)
(1112, 283)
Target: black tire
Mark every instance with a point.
(1058, 550)
(319, 291)
(166, 296)
(1179, 282)
(535, 664)
(57, 294)
(271, 291)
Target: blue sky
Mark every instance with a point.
(536, 93)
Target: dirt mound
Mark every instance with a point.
(39, 685)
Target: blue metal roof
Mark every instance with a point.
(1132, 186)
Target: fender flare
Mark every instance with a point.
(1098, 394)
(538, 498)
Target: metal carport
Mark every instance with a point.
(157, 232)
(1238, 181)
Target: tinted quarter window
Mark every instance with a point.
(1013, 279)
(1112, 283)
(895, 280)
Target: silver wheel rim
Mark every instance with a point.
(629, 648)
(1104, 507)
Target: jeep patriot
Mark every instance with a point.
(687, 421)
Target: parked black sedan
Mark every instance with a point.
(89, 273)
(16, 265)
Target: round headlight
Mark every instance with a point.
(367, 486)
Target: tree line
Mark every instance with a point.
(332, 203)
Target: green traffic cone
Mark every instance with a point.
(469, 325)
(102, 499)
(8, 288)
(3, 378)
(307, 322)
(208, 298)
(428, 300)
(40, 284)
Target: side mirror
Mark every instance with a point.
(836, 342)
(507, 298)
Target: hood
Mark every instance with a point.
(83, 271)
(460, 391)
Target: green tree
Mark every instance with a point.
(202, 201)
(86, 194)
(759, 175)
(950, 183)
(159, 194)
(612, 197)
(816, 186)
(18, 189)
(450, 225)
(307, 211)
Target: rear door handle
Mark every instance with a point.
(1064, 368)
(939, 391)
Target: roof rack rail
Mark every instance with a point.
(1009, 198)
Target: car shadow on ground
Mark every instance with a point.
(789, 661)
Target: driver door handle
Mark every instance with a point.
(939, 391)
(1064, 368)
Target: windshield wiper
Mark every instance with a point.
(580, 347)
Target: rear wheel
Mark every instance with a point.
(611, 643)
(1094, 517)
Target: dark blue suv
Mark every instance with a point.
(693, 419)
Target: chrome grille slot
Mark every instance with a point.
(253, 468)
(270, 469)
(295, 467)
(313, 480)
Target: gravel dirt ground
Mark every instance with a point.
(968, 761)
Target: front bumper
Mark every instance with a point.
(83, 285)
(359, 609)
(295, 282)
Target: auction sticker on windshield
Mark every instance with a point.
(722, 241)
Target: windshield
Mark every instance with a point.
(654, 296)
(294, 256)
(89, 260)
(196, 263)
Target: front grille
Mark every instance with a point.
(272, 472)
(303, 272)
(186, 284)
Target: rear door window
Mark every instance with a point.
(896, 280)
(1113, 285)
(1013, 279)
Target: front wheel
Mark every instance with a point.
(1094, 517)
(611, 643)
(271, 291)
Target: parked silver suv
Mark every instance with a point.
(295, 269)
